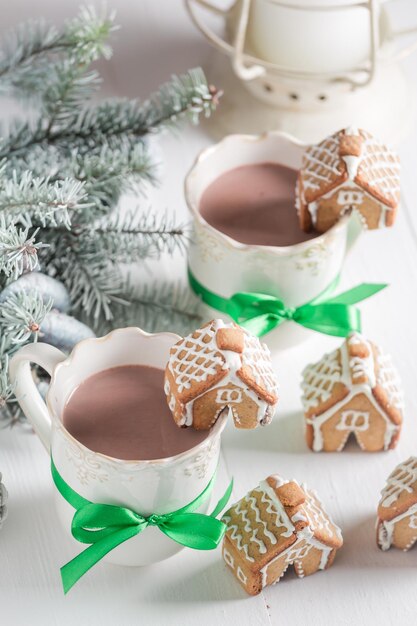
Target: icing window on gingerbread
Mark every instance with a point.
(295, 554)
(413, 521)
(229, 396)
(349, 198)
(354, 420)
(241, 576)
(228, 558)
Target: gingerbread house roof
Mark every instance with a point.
(400, 491)
(357, 366)
(351, 155)
(273, 516)
(207, 356)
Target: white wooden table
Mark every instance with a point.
(365, 586)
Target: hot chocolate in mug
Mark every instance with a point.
(147, 487)
(296, 274)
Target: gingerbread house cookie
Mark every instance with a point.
(353, 390)
(220, 366)
(397, 509)
(348, 171)
(278, 524)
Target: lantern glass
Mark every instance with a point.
(311, 35)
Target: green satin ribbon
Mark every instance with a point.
(106, 526)
(260, 313)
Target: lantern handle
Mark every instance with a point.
(248, 67)
(208, 33)
(243, 70)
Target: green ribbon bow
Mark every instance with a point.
(260, 313)
(106, 526)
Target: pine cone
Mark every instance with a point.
(3, 498)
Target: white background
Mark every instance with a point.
(365, 586)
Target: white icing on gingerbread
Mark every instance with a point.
(236, 536)
(320, 378)
(228, 558)
(349, 199)
(298, 551)
(352, 162)
(376, 165)
(246, 513)
(386, 528)
(299, 517)
(364, 365)
(388, 378)
(354, 421)
(321, 162)
(276, 508)
(400, 480)
(281, 520)
(314, 512)
(200, 358)
(252, 501)
(241, 575)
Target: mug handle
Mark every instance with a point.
(25, 389)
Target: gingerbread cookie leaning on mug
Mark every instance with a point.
(216, 367)
(349, 171)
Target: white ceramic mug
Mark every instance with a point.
(296, 274)
(155, 486)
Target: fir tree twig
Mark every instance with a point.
(94, 287)
(30, 200)
(86, 259)
(187, 95)
(21, 316)
(18, 250)
(135, 237)
(28, 52)
(159, 307)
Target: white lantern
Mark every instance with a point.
(314, 66)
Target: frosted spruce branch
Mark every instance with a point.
(6, 390)
(158, 307)
(8, 407)
(62, 173)
(135, 237)
(86, 259)
(18, 250)
(30, 200)
(21, 316)
(94, 286)
(105, 175)
(110, 173)
(184, 96)
(29, 52)
(65, 94)
(111, 122)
